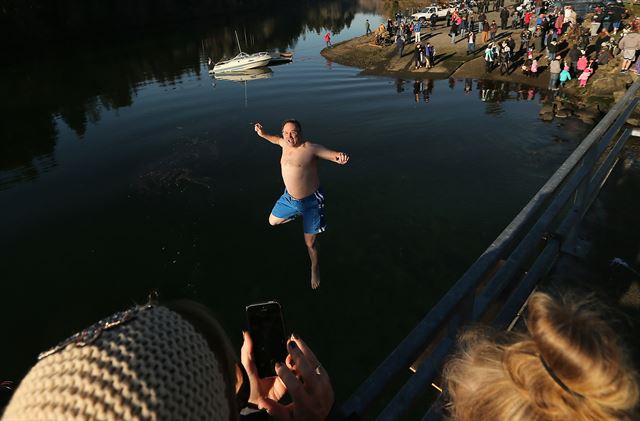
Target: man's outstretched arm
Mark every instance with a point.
(334, 156)
(271, 138)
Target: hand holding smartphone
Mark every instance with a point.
(266, 327)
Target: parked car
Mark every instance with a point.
(425, 14)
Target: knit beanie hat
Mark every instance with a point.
(146, 363)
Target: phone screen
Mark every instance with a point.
(266, 327)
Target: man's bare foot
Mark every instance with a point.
(315, 278)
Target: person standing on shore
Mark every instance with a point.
(525, 38)
(417, 56)
(537, 39)
(582, 63)
(552, 49)
(471, 43)
(327, 39)
(488, 58)
(534, 68)
(629, 44)
(485, 28)
(564, 76)
(400, 43)
(430, 51)
(416, 31)
(367, 26)
(584, 76)
(463, 27)
(570, 17)
(492, 30)
(527, 19)
(453, 31)
(554, 73)
(303, 195)
(572, 58)
(504, 18)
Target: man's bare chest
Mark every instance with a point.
(296, 158)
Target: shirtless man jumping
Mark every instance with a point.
(302, 194)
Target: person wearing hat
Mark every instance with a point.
(154, 362)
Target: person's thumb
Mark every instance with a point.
(276, 410)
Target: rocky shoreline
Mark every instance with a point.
(588, 104)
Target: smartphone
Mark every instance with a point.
(266, 327)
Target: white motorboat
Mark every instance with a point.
(242, 61)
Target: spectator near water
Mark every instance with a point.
(430, 51)
(629, 44)
(552, 49)
(525, 39)
(554, 72)
(584, 76)
(564, 76)
(534, 68)
(400, 43)
(504, 18)
(482, 23)
(327, 39)
(493, 28)
(454, 27)
(583, 62)
(417, 56)
(488, 58)
(471, 43)
(572, 57)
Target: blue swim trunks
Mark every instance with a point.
(311, 208)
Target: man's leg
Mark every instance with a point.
(312, 247)
(274, 220)
(283, 211)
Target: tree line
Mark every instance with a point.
(27, 20)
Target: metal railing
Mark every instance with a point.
(497, 285)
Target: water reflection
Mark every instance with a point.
(491, 92)
(77, 87)
(245, 75)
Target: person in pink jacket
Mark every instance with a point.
(534, 68)
(582, 63)
(559, 23)
(584, 76)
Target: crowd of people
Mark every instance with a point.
(571, 51)
(551, 39)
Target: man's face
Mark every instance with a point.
(291, 134)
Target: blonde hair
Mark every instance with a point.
(568, 366)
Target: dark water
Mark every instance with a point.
(128, 168)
